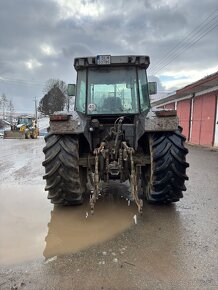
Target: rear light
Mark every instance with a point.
(59, 117)
(166, 113)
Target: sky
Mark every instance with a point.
(40, 38)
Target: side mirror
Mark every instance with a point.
(152, 88)
(71, 90)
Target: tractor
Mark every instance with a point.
(113, 134)
(25, 128)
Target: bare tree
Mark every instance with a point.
(55, 83)
(3, 105)
(11, 110)
(1, 124)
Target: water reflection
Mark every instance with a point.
(72, 229)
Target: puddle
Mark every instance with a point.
(32, 228)
(24, 213)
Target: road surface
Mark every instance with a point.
(42, 247)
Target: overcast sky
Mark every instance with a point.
(40, 38)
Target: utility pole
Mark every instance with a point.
(68, 104)
(36, 113)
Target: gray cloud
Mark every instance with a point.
(124, 27)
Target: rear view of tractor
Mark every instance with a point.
(114, 135)
(25, 128)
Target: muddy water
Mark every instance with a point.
(32, 228)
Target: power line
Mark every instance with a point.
(196, 29)
(185, 48)
(191, 37)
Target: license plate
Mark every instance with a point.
(103, 59)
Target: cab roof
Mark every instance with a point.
(111, 61)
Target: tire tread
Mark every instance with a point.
(168, 156)
(62, 173)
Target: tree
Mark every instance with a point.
(11, 111)
(53, 101)
(3, 105)
(55, 97)
(55, 83)
(1, 124)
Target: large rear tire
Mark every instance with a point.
(63, 175)
(34, 135)
(164, 179)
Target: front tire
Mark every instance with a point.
(63, 181)
(164, 179)
(27, 135)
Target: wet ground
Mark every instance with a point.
(46, 247)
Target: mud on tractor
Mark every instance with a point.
(114, 135)
(25, 128)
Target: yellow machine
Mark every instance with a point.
(25, 128)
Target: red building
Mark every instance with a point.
(197, 109)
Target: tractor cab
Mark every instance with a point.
(111, 85)
(25, 121)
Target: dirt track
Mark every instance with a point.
(41, 247)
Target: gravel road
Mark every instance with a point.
(46, 247)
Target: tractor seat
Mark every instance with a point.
(112, 104)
